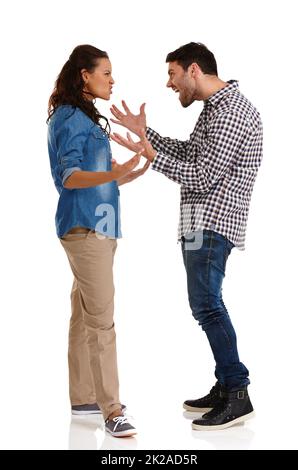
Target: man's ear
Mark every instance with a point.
(195, 70)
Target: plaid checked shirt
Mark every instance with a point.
(217, 167)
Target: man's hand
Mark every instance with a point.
(143, 146)
(134, 122)
(132, 175)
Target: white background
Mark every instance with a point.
(164, 357)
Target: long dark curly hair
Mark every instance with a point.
(69, 84)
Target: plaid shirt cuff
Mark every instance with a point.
(160, 163)
(157, 163)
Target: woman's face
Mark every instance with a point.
(100, 81)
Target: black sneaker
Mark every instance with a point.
(206, 403)
(232, 408)
(91, 409)
(120, 427)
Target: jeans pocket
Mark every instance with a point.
(228, 248)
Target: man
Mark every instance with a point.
(216, 169)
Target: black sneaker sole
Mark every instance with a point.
(195, 409)
(241, 419)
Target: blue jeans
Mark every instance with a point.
(205, 268)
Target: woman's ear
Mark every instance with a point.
(84, 74)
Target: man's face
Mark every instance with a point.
(181, 82)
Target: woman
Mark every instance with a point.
(88, 225)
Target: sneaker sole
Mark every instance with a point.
(95, 412)
(194, 409)
(122, 433)
(241, 419)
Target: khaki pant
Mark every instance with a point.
(92, 357)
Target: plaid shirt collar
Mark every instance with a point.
(216, 97)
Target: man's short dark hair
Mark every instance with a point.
(194, 52)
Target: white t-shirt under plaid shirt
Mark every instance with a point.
(217, 166)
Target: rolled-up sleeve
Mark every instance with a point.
(172, 147)
(71, 138)
(224, 136)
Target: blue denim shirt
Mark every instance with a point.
(75, 142)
